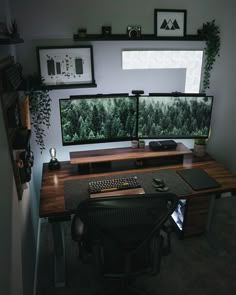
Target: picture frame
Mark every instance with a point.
(66, 66)
(170, 23)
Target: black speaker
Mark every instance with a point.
(162, 145)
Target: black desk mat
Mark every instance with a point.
(198, 178)
(76, 190)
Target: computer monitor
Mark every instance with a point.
(172, 116)
(98, 118)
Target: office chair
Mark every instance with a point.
(124, 235)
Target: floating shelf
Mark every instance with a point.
(8, 41)
(125, 37)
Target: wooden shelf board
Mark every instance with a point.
(8, 41)
(125, 37)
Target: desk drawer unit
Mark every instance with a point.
(191, 215)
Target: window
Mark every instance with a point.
(191, 60)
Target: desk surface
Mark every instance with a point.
(52, 187)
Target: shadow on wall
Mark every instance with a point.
(30, 221)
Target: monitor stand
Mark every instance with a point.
(105, 159)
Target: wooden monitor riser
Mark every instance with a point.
(117, 154)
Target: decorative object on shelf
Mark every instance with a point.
(211, 33)
(82, 32)
(134, 144)
(18, 137)
(141, 144)
(106, 30)
(14, 75)
(134, 32)
(3, 31)
(170, 23)
(200, 147)
(54, 164)
(24, 112)
(13, 30)
(66, 67)
(26, 159)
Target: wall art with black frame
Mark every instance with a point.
(170, 23)
(66, 67)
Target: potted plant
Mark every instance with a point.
(211, 33)
(200, 147)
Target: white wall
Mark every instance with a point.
(222, 144)
(7, 183)
(18, 227)
(18, 219)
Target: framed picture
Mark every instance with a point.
(170, 23)
(63, 67)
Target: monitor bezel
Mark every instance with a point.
(98, 140)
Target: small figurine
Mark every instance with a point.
(54, 164)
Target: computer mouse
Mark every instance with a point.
(158, 181)
(162, 189)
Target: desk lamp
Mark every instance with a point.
(54, 163)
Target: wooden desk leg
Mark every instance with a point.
(216, 244)
(59, 253)
(210, 212)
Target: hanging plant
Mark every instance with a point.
(211, 33)
(40, 110)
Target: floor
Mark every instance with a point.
(200, 265)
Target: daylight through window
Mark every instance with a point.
(191, 60)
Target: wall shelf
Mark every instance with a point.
(8, 41)
(125, 37)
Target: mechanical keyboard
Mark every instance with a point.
(109, 185)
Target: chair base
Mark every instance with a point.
(121, 288)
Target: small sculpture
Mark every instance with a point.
(54, 164)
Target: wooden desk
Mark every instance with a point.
(196, 217)
(52, 188)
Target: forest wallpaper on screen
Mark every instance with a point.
(94, 119)
(174, 116)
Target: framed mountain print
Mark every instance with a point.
(170, 23)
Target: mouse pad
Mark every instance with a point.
(76, 190)
(198, 178)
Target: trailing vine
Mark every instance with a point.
(40, 110)
(211, 33)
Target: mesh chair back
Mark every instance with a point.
(124, 228)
